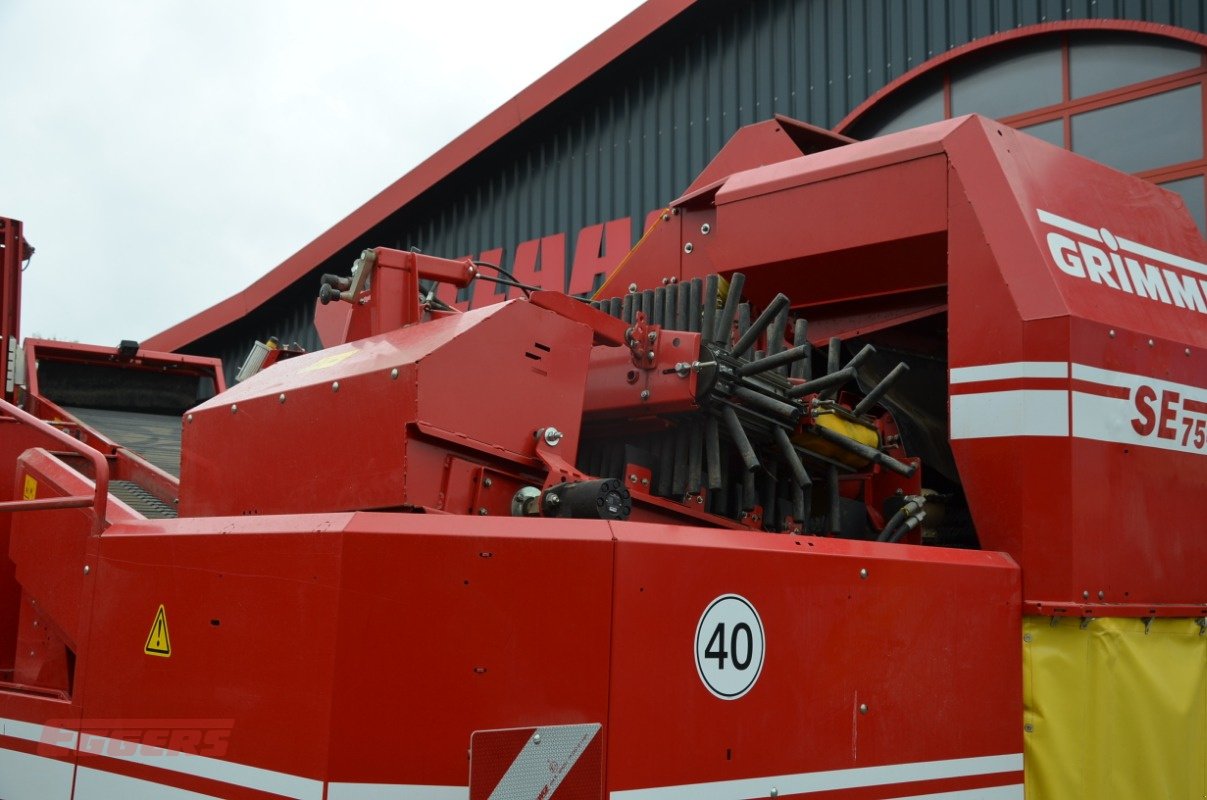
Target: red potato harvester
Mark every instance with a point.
(871, 473)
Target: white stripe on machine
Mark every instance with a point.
(806, 782)
(1127, 409)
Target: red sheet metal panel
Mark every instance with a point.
(870, 655)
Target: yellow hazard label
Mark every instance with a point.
(30, 490)
(158, 643)
(330, 361)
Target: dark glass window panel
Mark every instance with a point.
(1142, 134)
(1009, 80)
(1191, 190)
(1052, 132)
(918, 103)
(1102, 61)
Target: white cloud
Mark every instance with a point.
(164, 155)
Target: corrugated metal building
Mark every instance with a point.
(556, 185)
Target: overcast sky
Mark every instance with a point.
(166, 154)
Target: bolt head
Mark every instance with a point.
(87, 569)
(335, 386)
(281, 397)
(863, 708)
(645, 394)
(234, 408)
(552, 436)
(774, 792)
(633, 478)
(1026, 637)
(482, 512)
(487, 482)
(863, 574)
(536, 738)
(394, 374)
(190, 418)
(705, 228)
(632, 288)
(687, 248)
(1028, 727)
(1111, 333)
(1101, 595)
(1150, 343)
(1085, 595)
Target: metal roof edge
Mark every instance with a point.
(566, 76)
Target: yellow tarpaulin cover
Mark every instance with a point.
(1114, 709)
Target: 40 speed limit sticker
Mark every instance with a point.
(729, 646)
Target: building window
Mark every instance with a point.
(1133, 101)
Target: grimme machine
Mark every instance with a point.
(875, 472)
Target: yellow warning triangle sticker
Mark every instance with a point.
(158, 643)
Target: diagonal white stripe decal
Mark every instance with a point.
(265, 780)
(803, 783)
(544, 762)
(987, 415)
(95, 784)
(29, 777)
(1069, 225)
(42, 734)
(1009, 370)
(1011, 792)
(1170, 259)
(395, 791)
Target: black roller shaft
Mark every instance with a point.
(864, 451)
(740, 439)
(679, 477)
(743, 319)
(750, 492)
(647, 305)
(614, 307)
(832, 358)
(833, 355)
(773, 361)
(835, 511)
(788, 451)
(775, 337)
(708, 310)
(669, 306)
(724, 329)
(693, 305)
(860, 357)
(878, 391)
(820, 384)
(768, 404)
(802, 369)
(626, 308)
(695, 456)
(712, 452)
(750, 336)
(659, 306)
(682, 301)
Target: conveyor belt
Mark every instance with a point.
(155, 437)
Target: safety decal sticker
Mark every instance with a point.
(30, 490)
(729, 646)
(158, 643)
